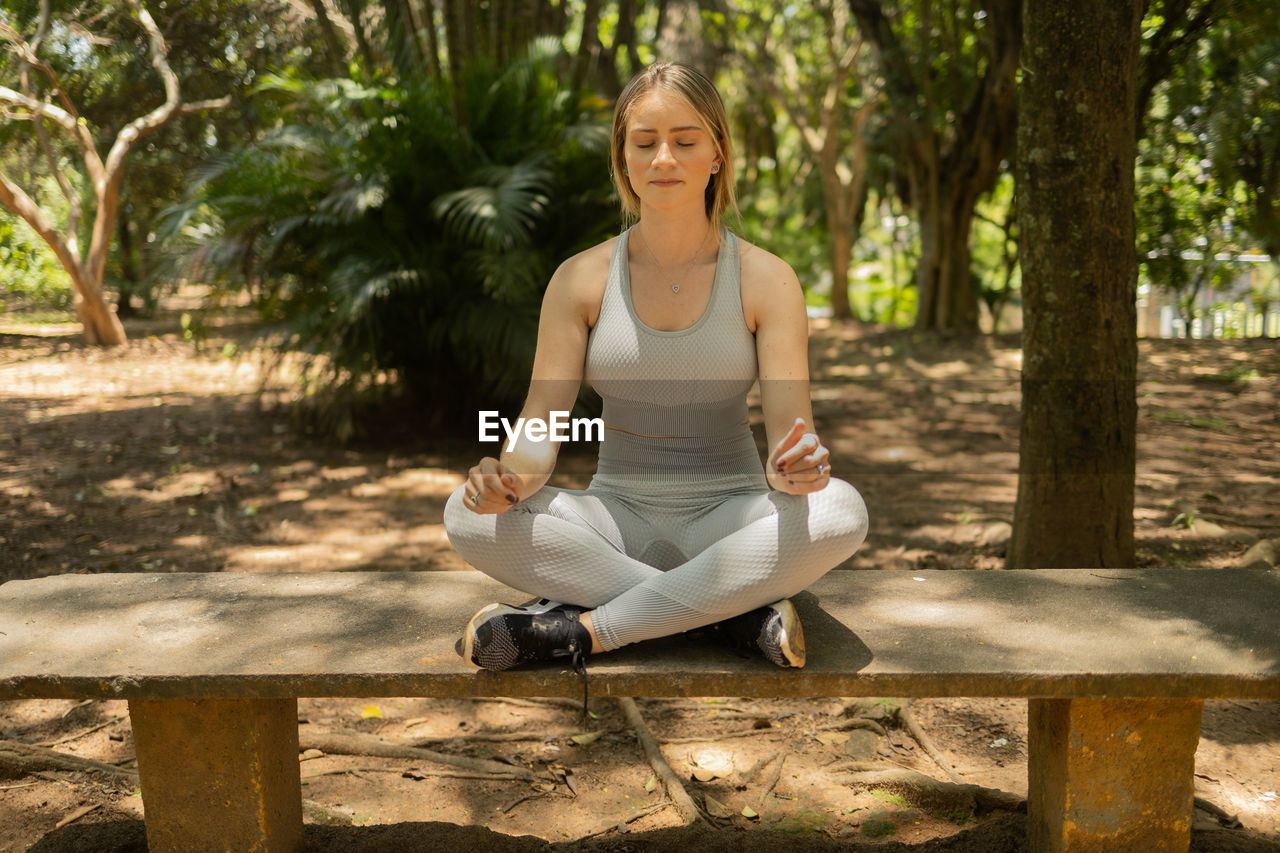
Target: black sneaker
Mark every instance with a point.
(502, 636)
(773, 630)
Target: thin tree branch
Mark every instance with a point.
(29, 59)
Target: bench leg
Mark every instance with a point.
(219, 774)
(1111, 774)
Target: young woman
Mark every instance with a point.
(671, 322)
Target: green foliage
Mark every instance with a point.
(30, 276)
(1208, 173)
(1185, 215)
(102, 59)
(878, 827)
(399, 244)
(884, 289)
(889, 797)
(994, 247)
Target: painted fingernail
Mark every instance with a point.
(511, 499)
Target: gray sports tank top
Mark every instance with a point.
(675, 402)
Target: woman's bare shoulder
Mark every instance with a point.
(760, 259)
(580, 279)
(767, 280)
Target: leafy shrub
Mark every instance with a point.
(401, 237)
(30, 276)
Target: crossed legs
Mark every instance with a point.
(607, 554)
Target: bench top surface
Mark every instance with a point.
(1147, 633)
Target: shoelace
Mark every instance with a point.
(579, 661)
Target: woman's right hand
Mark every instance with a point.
(491, 487)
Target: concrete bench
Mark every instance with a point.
(1116, 665)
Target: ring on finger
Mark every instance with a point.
(475, 499)
(822, 468)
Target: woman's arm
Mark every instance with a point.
(773, 305)
(563, 327)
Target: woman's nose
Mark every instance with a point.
(664, 154)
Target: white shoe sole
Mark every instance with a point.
(791, 634)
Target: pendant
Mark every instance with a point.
(675, 288)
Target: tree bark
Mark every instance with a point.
(1075, 174)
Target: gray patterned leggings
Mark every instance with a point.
(649, 566)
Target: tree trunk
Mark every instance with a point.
(1075, 174)
(101, 325)
(948, 299)
(681, 37)
(841, 250)
(948, 172)
(589, 45)
(433, 44)
(336, 56)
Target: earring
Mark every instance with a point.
(626, 171)
(715, 169)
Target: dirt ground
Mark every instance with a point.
(156, 457)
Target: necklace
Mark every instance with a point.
(675, 288)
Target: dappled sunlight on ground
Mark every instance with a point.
(156, 458)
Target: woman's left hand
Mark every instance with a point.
(800, 463)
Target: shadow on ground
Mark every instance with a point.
(1001, 835)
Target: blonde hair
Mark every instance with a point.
(700, 92)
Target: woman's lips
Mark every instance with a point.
(666, 182)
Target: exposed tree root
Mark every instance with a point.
(496, 737)
(357, 743)
(773, 779)
(675, 788)
(20, 759)
(926, 743)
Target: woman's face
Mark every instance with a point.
(669, 153)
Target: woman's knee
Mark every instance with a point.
(841, 513)
(461, 525)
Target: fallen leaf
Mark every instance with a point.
(652, 784)
(311, 754)
(710, 764)
(833, 738)
(414, 774)
(371, 711)
(750, 813)
(586, 738)
(715, 808)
